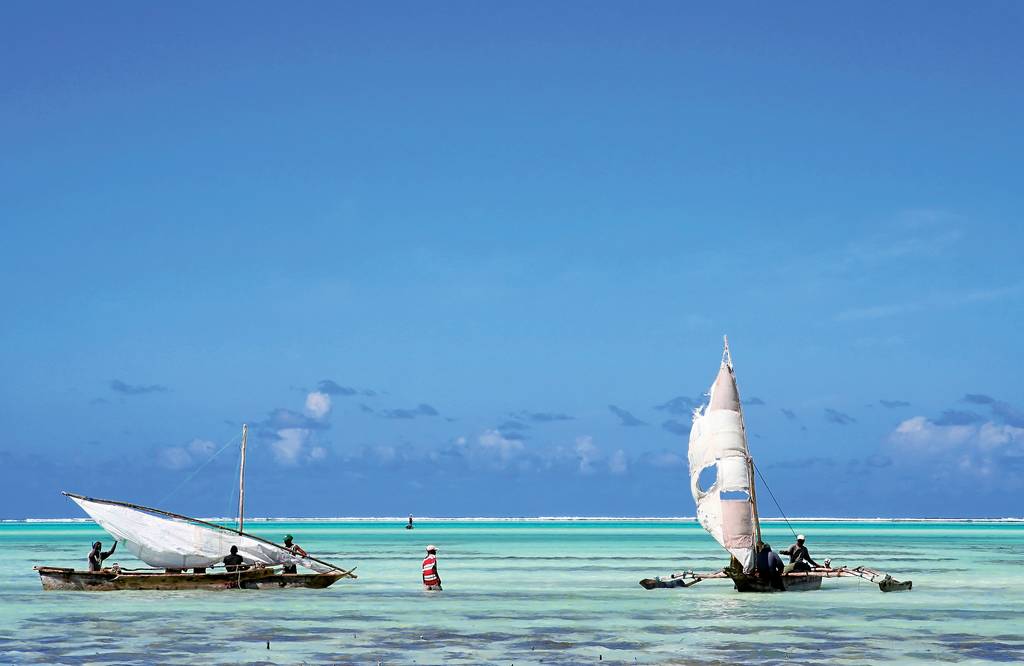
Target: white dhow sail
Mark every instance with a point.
(726, 508)
(171, 541)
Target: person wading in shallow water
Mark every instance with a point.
(96, 557)
(431, 579)
(294, 549)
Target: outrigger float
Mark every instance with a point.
(172, 544)
(727, 507)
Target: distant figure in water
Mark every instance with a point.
(234, 561)
(409, 526)
(96, 557)
(294, 549)
(769, 565)
(431, 579)
(799, 556)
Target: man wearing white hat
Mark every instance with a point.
(799, 557)
(431, 580)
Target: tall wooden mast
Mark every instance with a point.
(241, 481)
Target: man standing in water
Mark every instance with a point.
(431, 580)
(799, 556)
(96, 557)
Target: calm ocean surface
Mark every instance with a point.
(521, 592)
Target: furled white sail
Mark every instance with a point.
(718, 439)
(179, 543)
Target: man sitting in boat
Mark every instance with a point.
(96, 557)
(234, 561)
(294, 549)
(799, 557)
(769, 565)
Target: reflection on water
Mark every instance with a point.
(529, 593)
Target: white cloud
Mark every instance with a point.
(920, 433)
(984, 450)
(947, 299)
(618, 464)
(317, 453)
(318, 405)
(493, 442)
(587, 453)
(203, 448)
(994, 436)
(668, 459)
(181, 457)
(289, 445)
(174, 457)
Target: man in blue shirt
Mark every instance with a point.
(769, 565)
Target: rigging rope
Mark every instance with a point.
(233, 488)
(773, 497)
(197, 470)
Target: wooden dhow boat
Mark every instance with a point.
(185, 553)
(727, 505)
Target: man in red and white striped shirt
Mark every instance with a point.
(431, 580)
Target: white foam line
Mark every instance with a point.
(545, 519)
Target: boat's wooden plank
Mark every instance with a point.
(57, 578)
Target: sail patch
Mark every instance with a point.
(737, 524)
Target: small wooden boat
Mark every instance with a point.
(173, 544)
(791, 582)
(723, 486)
(107, 580)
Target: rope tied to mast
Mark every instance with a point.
(777, 506)
(198, 469)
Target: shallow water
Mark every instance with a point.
(537, 592)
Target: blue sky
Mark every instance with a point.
(472, 259)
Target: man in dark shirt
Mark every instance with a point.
(294, 549)
(96, 557)
(799, 557)
(769, 565)
(234, 561)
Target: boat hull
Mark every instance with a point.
(308, 581)
(791, 582)
(58, 578)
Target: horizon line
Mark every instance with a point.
(526, 519)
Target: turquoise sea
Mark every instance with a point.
(532, 592)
